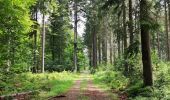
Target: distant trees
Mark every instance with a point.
(114, 37)
(30, 26)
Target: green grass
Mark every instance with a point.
(105, 81)
(100, 84)
(60, 86)
(43, 85)
(57, 88)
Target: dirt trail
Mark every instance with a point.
(84, 89)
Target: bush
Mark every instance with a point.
(115, 80)
(47, 82)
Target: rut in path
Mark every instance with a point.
(84, 89)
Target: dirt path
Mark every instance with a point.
(84, 89)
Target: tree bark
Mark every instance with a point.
(75, 35)
(125, 38)
(167, 35)
(104, 50)
(145, 40)
(94, 48)
(99, 49)
(43, 42)
(124, 25)
(131, 22)
(35, 65)
(111, 48)
(118, 37)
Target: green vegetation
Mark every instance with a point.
(43, 85)
(111, 77)
(124, 43)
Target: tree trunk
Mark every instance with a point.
(131, 22)
(167, 35)
(124, 25)
(111, 48)
(43, 42)
(34, 52)
(75, 35)
(104, 50)
(35, 65)
(99, 50)
(118, 37)
(94, 49)
(125, 38)
(145, 40)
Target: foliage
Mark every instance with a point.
(133, 86)
(50, 84)
(115, 80)
(14, 27)
(60, 41)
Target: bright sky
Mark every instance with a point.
(81, 26)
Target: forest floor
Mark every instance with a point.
(84, 89)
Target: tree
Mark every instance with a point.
(14, 28)
(145, 40)
(45, 7)
(34, 35)
(166, 27)
(75, 35)
(131, 22)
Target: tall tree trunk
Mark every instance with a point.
(131, 22)
(125, 37)
(52, 47)
(99, 50)
(124, 25)
(34, 70)
(166, 29)
(137, 18)
(114, 52)
(75, 35)
(111, 48)
(104, 50)
(94, 48)
(43, 42)
(168, 44)
(90, 56)
(145, 39)
(35, 65)
(118, 37)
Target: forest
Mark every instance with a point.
(84, 49)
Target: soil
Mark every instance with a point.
(89, 92)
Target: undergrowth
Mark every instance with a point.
(42, 85)
(132, 85)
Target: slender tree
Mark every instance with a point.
(167, 34)
(131, 22)
(75, 35)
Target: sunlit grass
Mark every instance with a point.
(46, 84)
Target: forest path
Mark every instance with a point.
(84, 89)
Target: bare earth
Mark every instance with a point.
(84, 89)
